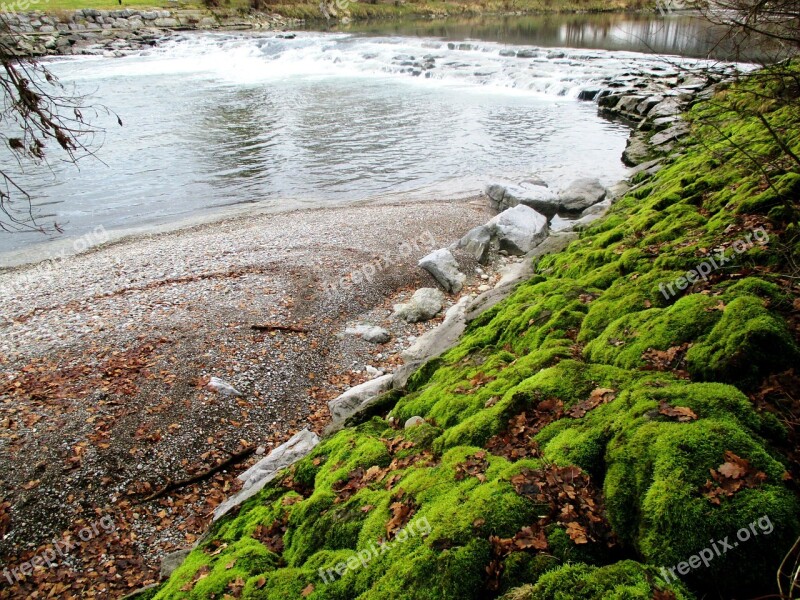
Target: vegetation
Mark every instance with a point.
(586, 432)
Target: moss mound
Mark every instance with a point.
(600, 434)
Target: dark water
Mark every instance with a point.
(685, 34)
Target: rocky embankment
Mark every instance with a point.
(117, 32)
(591, 435)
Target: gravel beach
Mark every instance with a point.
(105, 360)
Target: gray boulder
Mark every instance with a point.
(519, 229)
(424, 305)
(265, 470)
(477, 243)
(370, 333)
(666, 108)
(673, 133)
(357, 399)
(581, 194)
(442, 265)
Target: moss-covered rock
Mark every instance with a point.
(684, 459)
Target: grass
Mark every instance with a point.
(309, 9)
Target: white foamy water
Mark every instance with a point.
(214, 120)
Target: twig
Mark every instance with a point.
(271, 327)
(174, 485)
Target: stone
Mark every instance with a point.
(442, 265)
(370, 333)
(539, 198)
(477, 243)
(637, 150)
(265, 470)
(166, 22)
(357, 399)
(372, 372)
(519, 229)
(558, 224)
(216, 384)
(666, 108)
(424, 305)
(172, 561)
(413, 422)
(581, 194)
(673, 133)
(441, 338)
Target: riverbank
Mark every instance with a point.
(631, 403)
(113, 348)
(114, 31)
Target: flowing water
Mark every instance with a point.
(217, 120)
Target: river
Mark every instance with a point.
(407, 110)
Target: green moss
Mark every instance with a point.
(584, 321)
(625, 580)
(747, 342)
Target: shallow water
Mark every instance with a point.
(215, 120)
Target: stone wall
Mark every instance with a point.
(115, 32)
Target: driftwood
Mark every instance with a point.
(271, 327)
(174, 485)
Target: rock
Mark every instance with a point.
(559, 224)
(477, 243)
(413, 422)
(637, 150)
(216, 384)
(424, 305)
(172, 561)
(524, 270)
(265, 470)
(618, 190)
(370, 333)
(442, 265)
(666, 108)
(207, 23)
(166, 22)
(357, 399)
(441, 338)
(588, 94)
(539, 198)
(527, 54)
(372, 372)
(519, 229)
(673, 133)
(581, 194)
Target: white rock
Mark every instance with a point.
(357, 399)
(373, 372)
(442, 265)
(265, 470)
(216, 384)
(519, 229)
(581, 194)
(413, 422)
(424, 305)
(441, 338)
(370, 333)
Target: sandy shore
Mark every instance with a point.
(104, 359)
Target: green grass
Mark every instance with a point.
(363, 10)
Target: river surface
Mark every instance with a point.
(214, 120)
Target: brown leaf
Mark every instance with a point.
(682, 413)
(577, 533)
(307, 590)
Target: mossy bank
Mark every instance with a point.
(587, 432)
